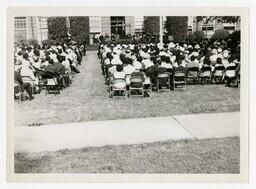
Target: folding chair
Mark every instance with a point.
(163, 81)
(27, 79)
(136, 87)
(218, 74)
(230, 74)
(206, 75)
(118, 86)
(51, 84)
(193, 75)
(17, 92)
(147, 85)
(179, 78)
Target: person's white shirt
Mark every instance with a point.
(175, 64)
(119, 75)
(213, 58)
(148, 63)
(184, 63)
(144, 54)
(116, 60)
(162, 53)
(26, 70)
(129, 69)
(173, 58)
(231, 64)
(107, 61)
(225, 62)
(137, 65)
(66, 64)
(166, 65)
(220, 56)
(112, 69)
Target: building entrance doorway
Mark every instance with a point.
(118, 26)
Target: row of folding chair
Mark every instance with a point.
(207, 76)
(130, 86)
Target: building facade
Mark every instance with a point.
(211, 26)
(30, 27)
(120, 26)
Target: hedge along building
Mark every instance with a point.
(30, 28)
(120, 26)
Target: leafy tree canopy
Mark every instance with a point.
(177, 26)
(151, 25)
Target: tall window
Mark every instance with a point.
(20, 23)
(118, 25)
(20, 28)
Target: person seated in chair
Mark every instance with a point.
(161, 70)
(230, 75)
(137, 73)
(193, 62)
(180, 66)
(56, 69)
(129, 68)
(120, 74)
(24, 86)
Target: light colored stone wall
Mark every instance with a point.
(129, 25)
(105, 25)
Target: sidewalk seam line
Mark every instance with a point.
(184, 127)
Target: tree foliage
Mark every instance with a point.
(220, 34)
(191, 37)
(177, 26)
(229, 19)
(199, 35)
(234, 39)
(57, 29)
(80, 29)
(207, 19)
(151, 25)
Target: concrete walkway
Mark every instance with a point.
(129, 131)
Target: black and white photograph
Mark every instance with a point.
(122, 94)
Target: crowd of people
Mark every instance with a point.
(32, 62)
(119, 60)
(125, 61)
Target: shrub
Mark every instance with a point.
(191, 37)
(199, 35)
(235, 37)
(33, 42)
(220, 34)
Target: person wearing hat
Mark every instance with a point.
(137, 73)
(214, 56)
(225, 60)
(197, 46)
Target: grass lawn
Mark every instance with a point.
(184, 156)
(87, 100)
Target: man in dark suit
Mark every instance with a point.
(24, 86)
